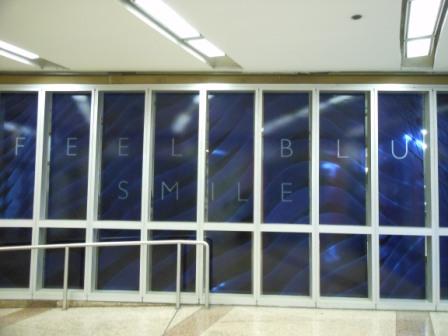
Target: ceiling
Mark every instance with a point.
(262, 36)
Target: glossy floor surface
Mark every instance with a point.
(218, 320)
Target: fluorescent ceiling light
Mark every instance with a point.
(418, 48)
(423, 17)
(168, 18)
(14, 57)
(206, 48)
(18, 51)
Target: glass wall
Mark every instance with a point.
(68, 158)
(122, 117)
(18, 115)
(342, 153)
(307, 196)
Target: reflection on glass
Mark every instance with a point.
(15, 265)
(164, 259)
(230, 261)
(230, 157)
(343, 170)
(175, 156)
(53, 273)
(286, 263)
(343, 265)
(69, 155)
(442, 131)
(286, 158)
(401, 151)
(17, 154)
(122, 150)
(402, 267)
(118, 268)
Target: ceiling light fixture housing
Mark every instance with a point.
(421, 25)
(162, 18)
(17, 54)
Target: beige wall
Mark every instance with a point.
(223, 78)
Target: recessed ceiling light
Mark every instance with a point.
(206, 48)
(168, 18)
(14, 57)
(18, 51)
(423, 17)
(356, 17)
(418, 48)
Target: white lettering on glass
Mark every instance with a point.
(71, 146)
(174, 187)
(19, 144)
(122, 147)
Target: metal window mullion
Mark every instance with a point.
(315, 255)
(258, 190)
(374, 195)
(146, 191)
(201, 185)
(434, 197)
(89, 274)
(38, 177)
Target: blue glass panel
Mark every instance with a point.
(230, 261)
(444, 268)
(286, 263)
(342, 189)
(53, 275)
(230, 157)
(15, 265)
(442, 131)
(286, 158)
(175, 156)
(118, 267)
(402, 267)
(343, 265)
(17, 154)
(69, 155)
(401, 156)
(122, 150)
(164, 258)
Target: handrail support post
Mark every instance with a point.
(65, 290)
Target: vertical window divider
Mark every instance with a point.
(37, 205)
(374, 195)
(89, 272)
(258, 190)
(434, 198)
(314, 204)
(146, 191)
(200, 206)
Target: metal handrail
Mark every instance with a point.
(179, 244)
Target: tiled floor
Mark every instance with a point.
(217, 321)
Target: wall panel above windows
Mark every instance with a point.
(402, 150)
(175, 156)
(230, 157)
(68, 116)
(18, 115)
(442, 132)
(122, 116)
(286, 161)
(343, 164)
